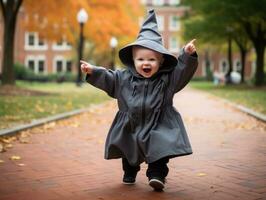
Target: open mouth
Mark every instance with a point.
(147, 70)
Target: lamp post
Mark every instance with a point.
(113, 44)
(229, 30)
(82, 18)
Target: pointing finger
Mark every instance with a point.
(84, 62)
(192, 41)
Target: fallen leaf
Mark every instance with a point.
(49, 125)
(9, 145)
(7, 141)
(15, 157)
(24, 140)
(201, 174)
(75, 124)
(1, 161)
(100, 141)
(21, 164)
(2, 147)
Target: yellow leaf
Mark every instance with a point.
(2, 147)
(100, 141)
(24, 140)
(1, 161)
(15, 157)
(5, 140)
(9, 146)
(201, 174)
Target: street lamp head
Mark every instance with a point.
(113, 42)
(82, 16)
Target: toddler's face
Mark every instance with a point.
(146, 61)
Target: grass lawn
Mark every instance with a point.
(28, 101)
(249, 96)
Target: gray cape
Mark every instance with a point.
(147, 127)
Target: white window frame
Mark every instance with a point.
(36, 59)
(157, 2)
(174, 2)
(63, 47)
(235, 67)
(35, 46)
(221, 65)
(64, 64)
(160, 22)
(174, 25)
(174, 47)
(203, 66)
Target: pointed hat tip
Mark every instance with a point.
(151, 11)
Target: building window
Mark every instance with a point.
(59, 66)
(31, 65)
(41, 42)
(34, 42)
(31, 39)
(61, 45)
(157, 2)
(41, 66)
(223, 66)
(36, 63)
(62, 65)
(174, 2)
(237, 66)
(160, 21)
(173, 44)
(68, 66)
(174, 23)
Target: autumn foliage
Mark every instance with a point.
(56, 18)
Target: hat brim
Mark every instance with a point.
(125, 54)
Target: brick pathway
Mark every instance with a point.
(64, 160)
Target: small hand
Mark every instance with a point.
(190, 47)
(86, 67)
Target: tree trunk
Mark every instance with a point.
(259, 75)
(258, 40)
(227, 76)
(9, 10)
(243, 53)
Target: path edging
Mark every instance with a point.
(38, 122)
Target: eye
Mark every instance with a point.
(139, 59)
(152, 59)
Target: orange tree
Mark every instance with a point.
(56, 19)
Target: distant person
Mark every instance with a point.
(147, 127)
(218, 78)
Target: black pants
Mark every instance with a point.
(156, 169)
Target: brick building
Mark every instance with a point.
(36, 53)
(49, 57)
(169, 13)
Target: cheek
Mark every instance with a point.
(156, 66)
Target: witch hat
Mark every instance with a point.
(149, 37)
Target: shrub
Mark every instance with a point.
(23, 73)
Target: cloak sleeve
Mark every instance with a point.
(104, 79)
(183, 72)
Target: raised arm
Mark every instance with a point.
(186, 67)
(102, 78)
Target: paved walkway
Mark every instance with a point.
(64, 160)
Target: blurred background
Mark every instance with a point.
(41, 43)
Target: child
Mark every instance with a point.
(147, 127)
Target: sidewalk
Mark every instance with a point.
(64, 160)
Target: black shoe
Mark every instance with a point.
(129, 179)
(157, 183)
